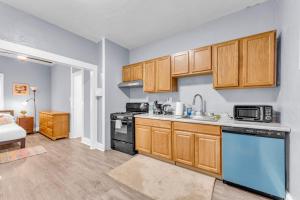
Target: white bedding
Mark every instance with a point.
(11, 131)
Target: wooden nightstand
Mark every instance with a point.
(26, 123)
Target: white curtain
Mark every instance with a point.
(1, 91)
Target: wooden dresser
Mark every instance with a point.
(54, 125)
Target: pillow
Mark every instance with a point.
(4, 120)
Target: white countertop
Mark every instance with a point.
(228, 122)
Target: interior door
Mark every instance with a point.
(1, 91)
(149, 76)
(226, 64)
(78, 110)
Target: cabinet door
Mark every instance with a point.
(163, 72)
(126, 74)
(184, 147)
(143, 138)
(226, 64)
(161, 142)
(208, 153)
(149, 76)
(137, 72)
(180, 63)
(200, 60)
(258, 56)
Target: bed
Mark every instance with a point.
(11, 133)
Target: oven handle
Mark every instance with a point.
(123, 121)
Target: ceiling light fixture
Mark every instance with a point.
(20, 57)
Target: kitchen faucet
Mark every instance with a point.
(201, 105)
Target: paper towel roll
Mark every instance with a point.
(179, 109)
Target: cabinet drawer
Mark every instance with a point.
(154, 123)
(198, 128)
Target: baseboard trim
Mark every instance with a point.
(99, 146)
(288, 196)
(86, 141)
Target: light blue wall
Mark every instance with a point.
(246, 22)
(60, 88)
(116, 99)
(19, 27)
(289, 96)
(25, 72)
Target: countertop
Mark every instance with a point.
(227, 122)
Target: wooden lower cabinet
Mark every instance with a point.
(143, 138)
(162, 142)
(208, 152)
(183, 146)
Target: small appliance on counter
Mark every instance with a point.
(179, 109)
(254, 113)
(256, 160)
(157, 109)
(122, 127)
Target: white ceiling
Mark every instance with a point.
(130, 23)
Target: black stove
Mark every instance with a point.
(122, 127)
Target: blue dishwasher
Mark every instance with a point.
(255, 159)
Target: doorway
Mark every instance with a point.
(1, 91)
(77, 77)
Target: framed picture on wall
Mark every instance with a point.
(20, 89)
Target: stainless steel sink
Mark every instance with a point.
(202, 118)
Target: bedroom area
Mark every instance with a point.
(37, 98)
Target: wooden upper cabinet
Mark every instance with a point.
(258, 60)
(226, 64)
(149, 76)
(208, 153)
(183, 147)
(126, 73)
(161, 142)
(200, 60)
(143, 138)
(180, 63)
(137, 72)
(163, 78)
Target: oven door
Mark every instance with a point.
(251, 113)
(123, 132)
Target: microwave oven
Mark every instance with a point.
(255, 113)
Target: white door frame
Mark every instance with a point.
(33, 52)
(80, 72)
(1, 91)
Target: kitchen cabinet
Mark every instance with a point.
(161, 142)
(149, 76)
(226, 64)
(200, 60)
(180, 63)
(198, 146)
(193, 62)
(208, 152)
(154, 137)
(157, 75)
(143, 138)
(184, 147)
(258, 60)
(132, 72)
(249, 62)
(126, 74)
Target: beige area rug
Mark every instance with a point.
(21, 153)
(163, 181)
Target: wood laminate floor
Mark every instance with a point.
(71, 171)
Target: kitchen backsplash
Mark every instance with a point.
(217, 101)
